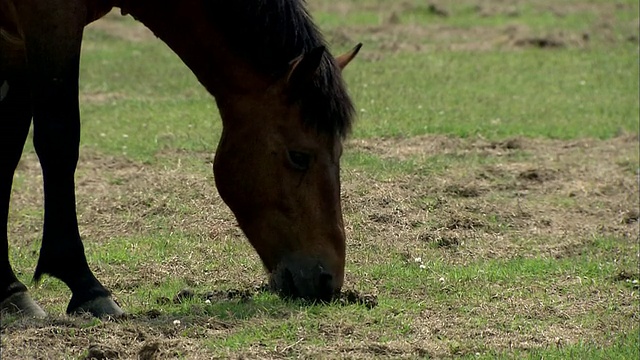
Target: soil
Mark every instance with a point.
(567, 191)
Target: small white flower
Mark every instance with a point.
(441, 279)
(207, 301)
(176, 322)
(423, 266)
(418, 259)
(363, 110)
(125, 136)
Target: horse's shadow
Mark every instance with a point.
(219, 309)
(180, 313)
(230, 309)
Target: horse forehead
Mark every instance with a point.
(287, 123)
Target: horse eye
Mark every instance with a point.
(299, 160)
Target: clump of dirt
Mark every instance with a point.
(183, 295)
(154, 313)
(630, 217)
(508, 144)
(353, 297)
(149, 351)
(464, 222)
(234, 294)
(437, 10)
(537, 175)
(99, 352)
(441, 239)
(346, 297)
(465, 191)
(188, 294)
(540, 42)
(632, 279)
(393, 19)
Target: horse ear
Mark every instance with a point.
(344, 59)
(302, 68)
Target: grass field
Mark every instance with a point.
(490, 194)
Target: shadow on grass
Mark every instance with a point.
(219, 309)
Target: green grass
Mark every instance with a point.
(502, 292)
(557, 94)
(624, 347)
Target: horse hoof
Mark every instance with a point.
(22, 304)
(99, 307)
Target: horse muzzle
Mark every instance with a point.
(302, 278)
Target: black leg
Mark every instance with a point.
(56, 140)
(53, 33)
(15, 118)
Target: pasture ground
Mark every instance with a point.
(490, 195)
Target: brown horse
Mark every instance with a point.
(285, 113)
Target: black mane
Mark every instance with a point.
(271, 33)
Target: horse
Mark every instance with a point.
(285, 113)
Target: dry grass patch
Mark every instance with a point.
(497, 228)
(521, 194)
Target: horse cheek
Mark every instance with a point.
(226, 170)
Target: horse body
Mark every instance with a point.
(284, 109)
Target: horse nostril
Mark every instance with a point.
(283, 283)
(325, 285)
(325, 280)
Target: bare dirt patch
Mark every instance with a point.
(87, 339)
(566, 190)
(120, 196)
(398, 30)
(521, 197)
(101, 97)
(393, 37)
(114, 24)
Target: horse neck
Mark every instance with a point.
(184, 27)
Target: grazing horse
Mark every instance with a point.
(285, 113)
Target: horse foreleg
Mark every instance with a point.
(56, 140)
(53, 33)
(15, 118)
